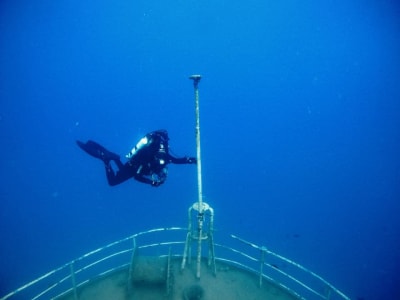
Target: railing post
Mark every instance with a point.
(169, 279)
(328, 292)
(130, 275)
(262, 260)
(73, 280)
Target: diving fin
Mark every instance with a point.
(98, 151)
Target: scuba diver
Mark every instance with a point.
(147, 161)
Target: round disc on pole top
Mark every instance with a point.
(196, 79)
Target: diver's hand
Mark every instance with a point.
(191, 160)
(155, 183)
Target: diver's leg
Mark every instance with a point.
(123, 173)
(98, 151)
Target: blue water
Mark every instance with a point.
(300, 128)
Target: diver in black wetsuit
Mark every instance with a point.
(147, 162)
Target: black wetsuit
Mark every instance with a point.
(147, 162)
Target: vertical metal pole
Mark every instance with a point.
(200, 217)
(196, 80)
(199, 241)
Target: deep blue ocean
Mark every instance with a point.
(300, 129)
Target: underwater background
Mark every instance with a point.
(300, 129)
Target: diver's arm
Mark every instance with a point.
(182, 160)
(146, 180)
(143, 179)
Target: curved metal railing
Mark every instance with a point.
(269, 266)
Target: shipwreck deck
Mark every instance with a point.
(150, 281)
